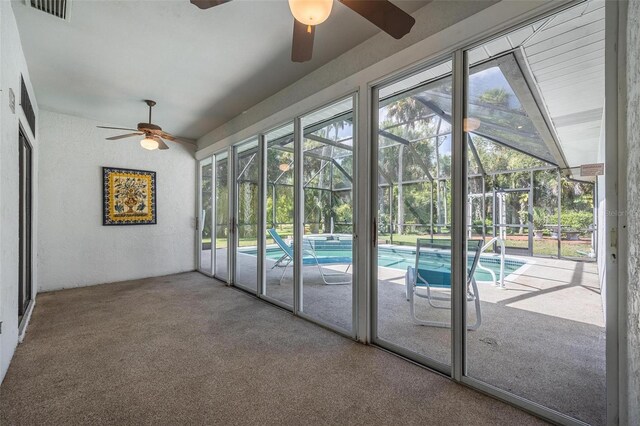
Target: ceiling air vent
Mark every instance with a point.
(57, 8)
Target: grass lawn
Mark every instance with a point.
(544, 247)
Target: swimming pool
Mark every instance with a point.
(395, 257)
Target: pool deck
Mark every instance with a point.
(542, 337)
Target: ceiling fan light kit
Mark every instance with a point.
(149, 143)
(311, 12)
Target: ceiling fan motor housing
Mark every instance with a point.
(148, 127)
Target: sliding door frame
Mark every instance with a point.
(433, 364)
(233, 207)
(200, 219)
(214, 233)
(25, 225)
(231, 184)
(263, 147)
(298, 195)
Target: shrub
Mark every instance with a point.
(579, 220)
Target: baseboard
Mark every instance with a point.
(22, 327)
(43, 289)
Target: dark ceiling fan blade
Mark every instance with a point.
(161, 143)
(172, 138)
(128, 135)
(207, 4)
(116, 128)
(166, 136)
(302, 46)
(384, 15)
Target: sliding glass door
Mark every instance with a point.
(213, 216)
(279, 217)
(205, 220)
(327, 214)
(413, 208)
(489, 265)
(534, 113)
(246, 175)
(220, 238)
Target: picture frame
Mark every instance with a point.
(129, 197)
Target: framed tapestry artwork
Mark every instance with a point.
(129, 197)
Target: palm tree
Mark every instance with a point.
(498, 96)
(406, 110)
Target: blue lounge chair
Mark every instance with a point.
(431, 273)
(309, 257)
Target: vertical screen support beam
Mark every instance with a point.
(484, 209)
(459, 185)
(368, 229)
(231, 241)
(559, 200)
(359, 281)
(200, 222)
(298, 213)
(431, 210)
(214, 233)
(530, 216)
(262, 214)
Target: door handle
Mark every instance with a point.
(374, 231)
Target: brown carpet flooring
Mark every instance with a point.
(183, 349)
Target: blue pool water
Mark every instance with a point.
(396, 258)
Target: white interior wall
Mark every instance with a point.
(12, 65)
(75, 248)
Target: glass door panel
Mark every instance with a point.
(413, 247)
(327, 147)
(206, 216)
(247, 160)
(533, 120)
(279, 215)
(220, 237)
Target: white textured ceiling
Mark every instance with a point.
(203, 67)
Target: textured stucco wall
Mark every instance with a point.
(12, 65)
(75, 249)
(633, 210)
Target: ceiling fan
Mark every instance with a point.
(153, 134)
(309, 13)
